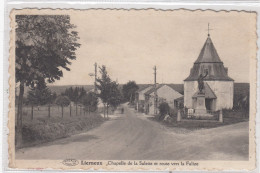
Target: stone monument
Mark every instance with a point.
(200, 109)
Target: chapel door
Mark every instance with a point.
(208, 103)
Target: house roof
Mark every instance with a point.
(153, 89)
(208, 59)
(209, 93)
(143, 87)
(159, 86)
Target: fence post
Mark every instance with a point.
(179, 115)
(221, 116)
(70, 109)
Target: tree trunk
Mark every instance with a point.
(32, 113)
(76, 109)
(49, 111)
(70, 110)
(104, 110)
(18, 136)
(88, 111)
(131, 98)
(62, 111)
(107, 110)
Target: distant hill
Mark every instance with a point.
(58, 89)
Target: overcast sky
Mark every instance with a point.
(130, 43)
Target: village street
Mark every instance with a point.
(133, 136)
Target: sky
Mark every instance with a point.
(131, 43)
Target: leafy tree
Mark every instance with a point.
(38, 96)
(115, 95)
(75, 95)
(90, 101)
(62, 101)
(103, 85)
(129, 90)
(164, 109)
(45, 44)
(109, 92)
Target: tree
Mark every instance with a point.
(45, 44)
(62, 101)
(38, 96)
(115, 95)
(51, 100)
(164, 109)
(75, 95)
(90, 101)
(129, 90)
(109, 92)
(103, 85)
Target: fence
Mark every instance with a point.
(190, 114)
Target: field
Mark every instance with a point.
(42, 129)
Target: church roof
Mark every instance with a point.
(209, 60)
(208, 53)
(209, 93)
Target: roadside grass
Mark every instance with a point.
(229, 117)
(43, 129)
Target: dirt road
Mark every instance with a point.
(132, 136)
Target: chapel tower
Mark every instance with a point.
(218, 86)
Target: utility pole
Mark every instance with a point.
(95, 84)
(95, 75)
(155, 92)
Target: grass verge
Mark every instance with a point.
(229, 117)
(45, 130)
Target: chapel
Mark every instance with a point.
(218, 86)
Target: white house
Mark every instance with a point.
(165, 93)
(140, 98)
(218, 86)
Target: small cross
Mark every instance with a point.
(209, 29)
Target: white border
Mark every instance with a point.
(192, 5)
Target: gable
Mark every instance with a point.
(167, 93)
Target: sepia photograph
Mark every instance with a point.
(146, 89)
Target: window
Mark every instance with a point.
(206, 71)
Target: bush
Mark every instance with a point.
(163, 109)
(173, 112)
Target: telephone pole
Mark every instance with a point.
(155, 91)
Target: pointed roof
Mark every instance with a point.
(208, 53)
(209, 93)
(208, 59)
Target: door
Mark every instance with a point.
(208, 103)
